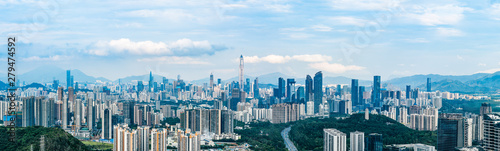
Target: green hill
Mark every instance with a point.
(308, 134)
(56, 139)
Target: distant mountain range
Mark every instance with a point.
(480, 82)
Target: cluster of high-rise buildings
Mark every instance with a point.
(208, 111)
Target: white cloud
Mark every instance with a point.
(335, 67)
(292, 29)
(179, 47)
(174, 60)
(321, 28)
(50, 58)
(494, 11)
(277, 59)
(347, 20)
(417, 40)
(364, 4)
(448, 32)
(170, 15)
(489, 70)
(432, 15)
(481, 64)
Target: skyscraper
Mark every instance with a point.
(361, 100)
(241, 73)
(68, 79)
(256, 88)
(429, 85)
(318, 90)
(354, 92)
(485, 109)
(107, 128)
(376, 91)
(453, 131)
(491, 131)
(374, 142)
(290, 89)
(408, 91)
(211, 85)
(334, 140)
(28, 111)
(309, 89)
(150, 83)
(48, 112)
(281, 88)
(357, 141)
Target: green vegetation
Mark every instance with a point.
(170, 121)
(471, 106)
(308, 134)
(98, 145)
(263, 136)
(55, 139)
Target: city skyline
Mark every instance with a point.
(178, 38)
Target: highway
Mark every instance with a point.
(288, 143)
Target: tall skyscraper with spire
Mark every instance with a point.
(241, 72)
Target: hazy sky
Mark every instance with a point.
(357, 39)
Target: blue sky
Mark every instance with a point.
(357, 39)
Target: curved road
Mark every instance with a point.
(288, 143)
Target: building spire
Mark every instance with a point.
(241, 72)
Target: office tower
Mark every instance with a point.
(408, 91)
(334, 140)
(485, 109)
(374, 142)
(345, 107)
(318, 91)
(55, 84)
(300, 95)
(219, 81)
(241, 72)
(107, 129)
(491, 138)
(357, 141)
(128, 112)
(68, 79)
(308, 88)
(453, 131)
(247, 85)
(159, 140)
(143, 138)
(338, 90)
(429, 85)
(140, 86)
(398, 95)
(28, 111)
(281, 87)
(211, 84)
(227, 126)
(150, 83)
(188, 141)
(376, 91)
(290, 89)
(235, 98)
(354, 92)
(256, 88)
(361, 96)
